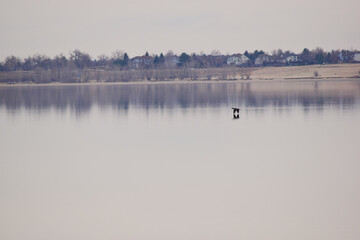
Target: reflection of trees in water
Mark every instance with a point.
(121, 97)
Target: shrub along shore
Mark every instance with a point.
(333, 71)
(87, 75)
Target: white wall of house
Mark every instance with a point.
(357, 57)
(292, 58)
(258, 61)
(237, 60)
(244, 59)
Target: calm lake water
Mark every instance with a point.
(168, 161)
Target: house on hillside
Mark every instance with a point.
(285, 59)
(262, 59)
(277, 60)
(356, 57)
(281, 59)
(141, 62)
(237, 59)
(292, 59)
(346, 56)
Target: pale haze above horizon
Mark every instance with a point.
(51, 27)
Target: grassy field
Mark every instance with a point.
(308, 72)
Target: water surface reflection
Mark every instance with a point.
(81, 99)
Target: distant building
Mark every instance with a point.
(277, 60)
(262, 59)
(237, 59)
(346, 56)
(292, 59)
(141, 61)
(356, 57)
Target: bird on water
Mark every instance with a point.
(236, 112)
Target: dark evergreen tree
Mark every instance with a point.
(184, 59)
(125, 62)
(328, 58)
(146, 54)
(118, 62)
(319, 58)
(156, 61)
(306, 51)
(60, 61)
(305, 56)
(161, 59)
(256, 54)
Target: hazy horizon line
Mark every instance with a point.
(211, 53)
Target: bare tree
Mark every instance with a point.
(103, 60)
(170, 53)
(194, 74)
(209, 74)
(80, 59)
(245, 73)
(148, 74)
(118, 54)
(248, 73)
(215, 52)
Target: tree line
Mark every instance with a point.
(120, 60)
(79, 66)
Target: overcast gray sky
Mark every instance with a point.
(51, 27)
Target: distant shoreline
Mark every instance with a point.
(94, 83)
(330, 72)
